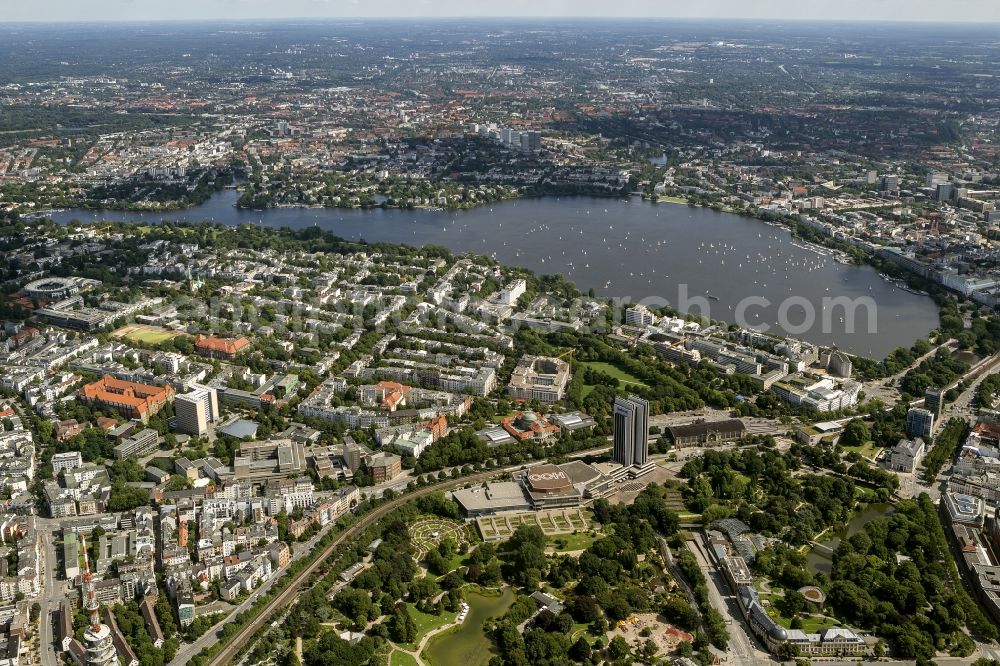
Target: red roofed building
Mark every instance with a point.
(392, 400)
(525, 426)
(21, 337)
(224, 348)
(64, 430)
(438, 426)
(390, 396)
(131, 400)
(987, 430)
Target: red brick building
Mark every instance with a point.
(131, 400)
(223, 348)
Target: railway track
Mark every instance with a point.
(285, 597)
(244, 636)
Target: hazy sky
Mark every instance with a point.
(124, 10)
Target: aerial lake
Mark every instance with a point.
(630, 249)
(468, 645)
(820, 559)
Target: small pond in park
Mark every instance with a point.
(468, 645)
(820, 558)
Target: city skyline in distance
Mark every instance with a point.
(977, 11)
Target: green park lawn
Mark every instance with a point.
(614, 371)
(398, 658)
(457, 560)
(867, 450)
(627, 379)
(815, 623)
(811, 624)
(427, 623)
(567, 542)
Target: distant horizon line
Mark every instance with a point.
(493, 17)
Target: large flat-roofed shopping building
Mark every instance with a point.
(261, 460)
(544, 486)
(71, 313)
(492, 497)
(539, 378)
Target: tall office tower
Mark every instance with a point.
(934, 402)
(531, 140)
(919, 422)
(97, 638)
(631, 418)
(945, 191)
(195, 410)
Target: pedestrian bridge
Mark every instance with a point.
(822, 548)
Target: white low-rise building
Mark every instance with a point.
(906, 455)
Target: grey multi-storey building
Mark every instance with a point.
(919, 422)
(934, 402)
(631, 419)
(196, 410)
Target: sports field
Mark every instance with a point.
(150, 335)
